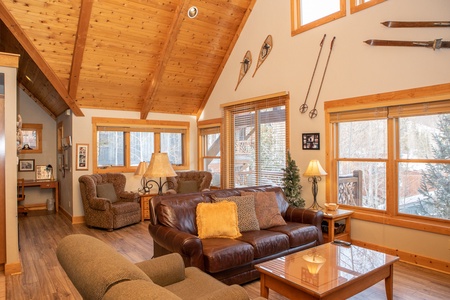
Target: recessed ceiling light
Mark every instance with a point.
(192, 12)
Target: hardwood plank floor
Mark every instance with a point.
(43, 278)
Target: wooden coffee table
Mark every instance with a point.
(327, 271)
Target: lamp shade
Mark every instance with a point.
(141, 168)
(160, 166)
(314, 169)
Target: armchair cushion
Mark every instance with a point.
(189, 186)
(217, 220)
(107, 191)
(165, 270)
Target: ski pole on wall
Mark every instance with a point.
(304, 106)
(313, 112)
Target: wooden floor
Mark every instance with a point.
(43, 278)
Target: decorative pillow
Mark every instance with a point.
(246, 211)
(267, 211)
(107, 191)
(217, 220)
(189, 186)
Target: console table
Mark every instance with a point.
(46, 184)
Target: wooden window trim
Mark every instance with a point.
(354, 7)
(410, 96)
(297, 28)
(174, 126)
(34, 127)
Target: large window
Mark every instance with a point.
(256, 139)
(209, 145)
(391, 162)
(121, 144)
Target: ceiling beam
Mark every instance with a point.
(23, 39)
(80, 44)
(172, 36)
(225, 58)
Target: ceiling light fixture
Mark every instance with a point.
(192, 12)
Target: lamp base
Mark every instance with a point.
(315, 206)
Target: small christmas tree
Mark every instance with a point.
(291, 183)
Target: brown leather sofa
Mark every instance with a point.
(173, 228)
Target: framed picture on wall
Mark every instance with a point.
(26, 165)
(311, 141)
(82, 157)
(43, 173)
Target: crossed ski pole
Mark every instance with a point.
(304, 107)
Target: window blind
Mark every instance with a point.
(256, 139)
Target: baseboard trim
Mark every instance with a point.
(14, 268)
(422, 261)
(73, 220)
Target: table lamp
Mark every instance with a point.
(140, 171)
(314, 171)
(159, 166)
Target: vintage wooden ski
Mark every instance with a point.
(402, 24)
(264, 52)
(245, 66)
(436, 44)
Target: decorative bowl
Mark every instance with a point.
(331, 206)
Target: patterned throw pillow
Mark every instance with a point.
(267, 211)
(247, 220)
(217, 220)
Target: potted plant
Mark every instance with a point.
(291, 183)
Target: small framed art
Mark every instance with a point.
(43, 172)
(311, 141)
(26, 165)
(82, 156)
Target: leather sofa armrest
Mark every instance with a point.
(306, 216)
(164, 270)
(129, 196)
(189, 246)
(100, 203)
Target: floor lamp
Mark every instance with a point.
(159, 166)
(313, 172)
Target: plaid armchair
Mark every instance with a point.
(106, 203)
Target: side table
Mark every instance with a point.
(332, 217)
(145, 206)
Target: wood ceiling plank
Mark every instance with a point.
(80, 44)
(23, 39)
(179, 14)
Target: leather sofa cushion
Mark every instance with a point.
(224, 254)
(265, 243)
(299, 234)
(178, 212)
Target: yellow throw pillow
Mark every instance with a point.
(217, 220)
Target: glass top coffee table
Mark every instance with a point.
(327, 271)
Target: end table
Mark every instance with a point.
(331, 217)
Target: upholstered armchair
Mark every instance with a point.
(189, 182)
(106, 203)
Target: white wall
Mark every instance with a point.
(355, 69)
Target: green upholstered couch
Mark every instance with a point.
(99, 272)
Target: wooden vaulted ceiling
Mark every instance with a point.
(133, 55)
